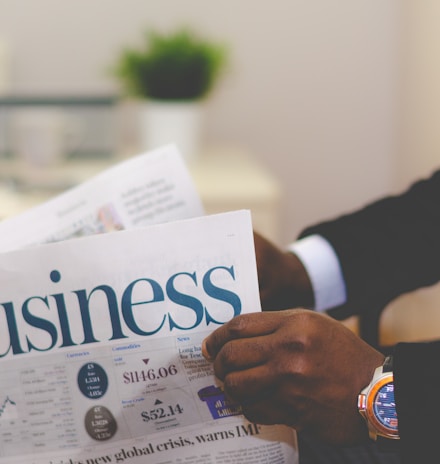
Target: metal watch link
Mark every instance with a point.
(377, 406)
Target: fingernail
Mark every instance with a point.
(205, 351)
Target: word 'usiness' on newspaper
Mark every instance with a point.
(157, 299)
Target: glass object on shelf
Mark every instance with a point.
(50, 127)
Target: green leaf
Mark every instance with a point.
(177, 66)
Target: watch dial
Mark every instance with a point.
(385, 407)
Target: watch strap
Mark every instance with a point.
(388, 364)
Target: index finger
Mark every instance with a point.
(242, 326)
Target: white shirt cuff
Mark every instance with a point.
(322, 265)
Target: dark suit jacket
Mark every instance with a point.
(390, 247)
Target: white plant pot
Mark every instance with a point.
(164, 122)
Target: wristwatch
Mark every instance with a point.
(377, 406)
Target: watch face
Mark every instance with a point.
(384, 407)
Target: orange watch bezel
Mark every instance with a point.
(386, 378)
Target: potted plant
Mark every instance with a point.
(172, 73)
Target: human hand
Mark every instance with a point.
(295, 367)
(283, 280)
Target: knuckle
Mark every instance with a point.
(226, 356)
(236, 326)
(233, 386)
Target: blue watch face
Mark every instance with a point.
(384, 407)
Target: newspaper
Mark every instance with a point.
(152, 188)
(100, 335)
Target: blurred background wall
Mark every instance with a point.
(339, 100)
(310, 89)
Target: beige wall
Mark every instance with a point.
(416, 316)
(310, 90)
(419, 134)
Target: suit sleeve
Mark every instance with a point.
(387, 248)
(416, 387)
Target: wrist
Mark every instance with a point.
(291, 288)
(299, 283)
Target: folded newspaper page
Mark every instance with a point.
(152, 188)
(100, 335)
